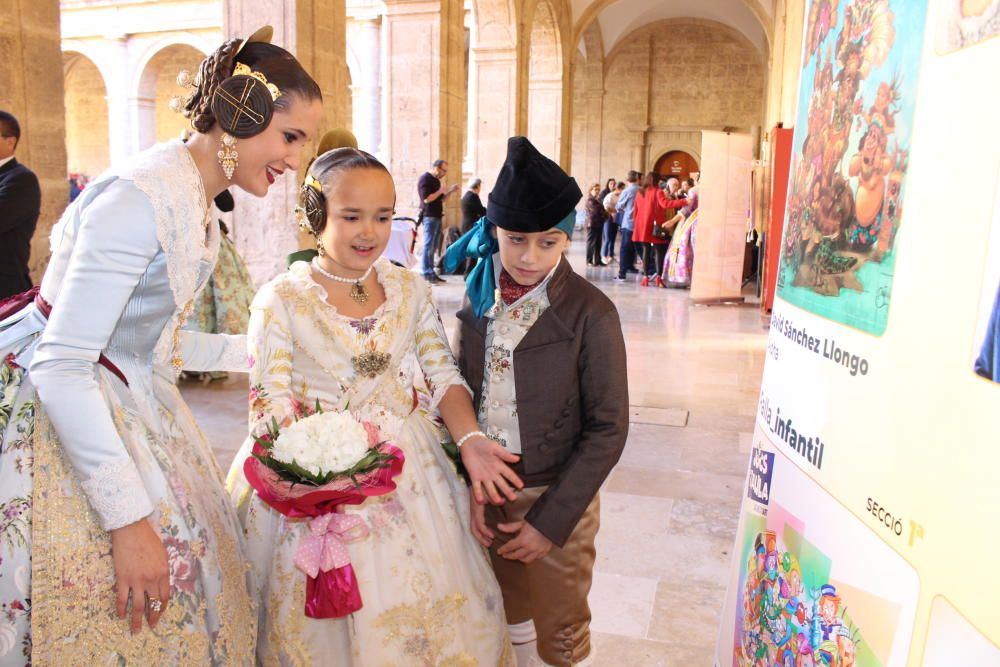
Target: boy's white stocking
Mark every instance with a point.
(524, 639)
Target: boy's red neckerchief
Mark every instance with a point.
(510, 290)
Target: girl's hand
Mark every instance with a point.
(486, 463)
(141, 571)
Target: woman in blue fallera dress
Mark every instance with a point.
(118, 544)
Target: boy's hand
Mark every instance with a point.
(482, 534)
(529, 545)
(486, 463)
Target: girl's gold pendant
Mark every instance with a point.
(359, 293)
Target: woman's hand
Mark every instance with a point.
(492, 479)
(477, 523)
(141, 569)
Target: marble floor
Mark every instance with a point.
(669, 510)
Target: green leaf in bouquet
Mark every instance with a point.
(296, 474)
(451, 449)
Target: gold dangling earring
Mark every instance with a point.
(228, 157)
(319, 247)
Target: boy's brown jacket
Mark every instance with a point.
(572, 397)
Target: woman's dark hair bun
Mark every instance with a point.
(242, 105)
(215, 74)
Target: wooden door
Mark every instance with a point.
(676, 163)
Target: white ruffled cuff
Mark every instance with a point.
(117, 494)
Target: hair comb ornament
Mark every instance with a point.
(244, 70)
(311, 211)
(311, 182)
(261, 34)
(184, 80)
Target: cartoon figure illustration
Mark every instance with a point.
(786, 624)
(822, 19)
(849, 169)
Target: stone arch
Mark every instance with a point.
(545, 81)
(150, 49)
(87, 139)
(594, 10)
(494, 23)
(731, 85)
(722, 27)
(156, 85)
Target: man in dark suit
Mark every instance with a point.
(20, 202)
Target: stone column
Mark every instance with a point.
(122, 132)
(592, 113)
(31, 79)
(142, 113)
(367, 90)
(423, 66)
(637, 139)
(493, 109)
(264, 230)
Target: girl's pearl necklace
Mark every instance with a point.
(358, 291)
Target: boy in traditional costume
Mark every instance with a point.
(543, 351)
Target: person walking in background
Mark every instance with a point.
(596, 215)
(433, 192)
(610, 203)
(472, 205)
(651, 204)
(626, 207)
(20, 202)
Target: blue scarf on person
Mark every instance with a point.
(480, 243)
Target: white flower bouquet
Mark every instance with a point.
(307, 470)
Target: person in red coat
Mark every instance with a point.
(651, 204)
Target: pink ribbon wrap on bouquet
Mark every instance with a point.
(331, 586)
(331, 590)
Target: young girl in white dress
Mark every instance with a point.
(353, 330)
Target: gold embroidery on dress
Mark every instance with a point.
(236, 639)
(285, 624)
(72, 578)
(426, 628)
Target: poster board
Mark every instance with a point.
(724, 202)
(868, 533)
